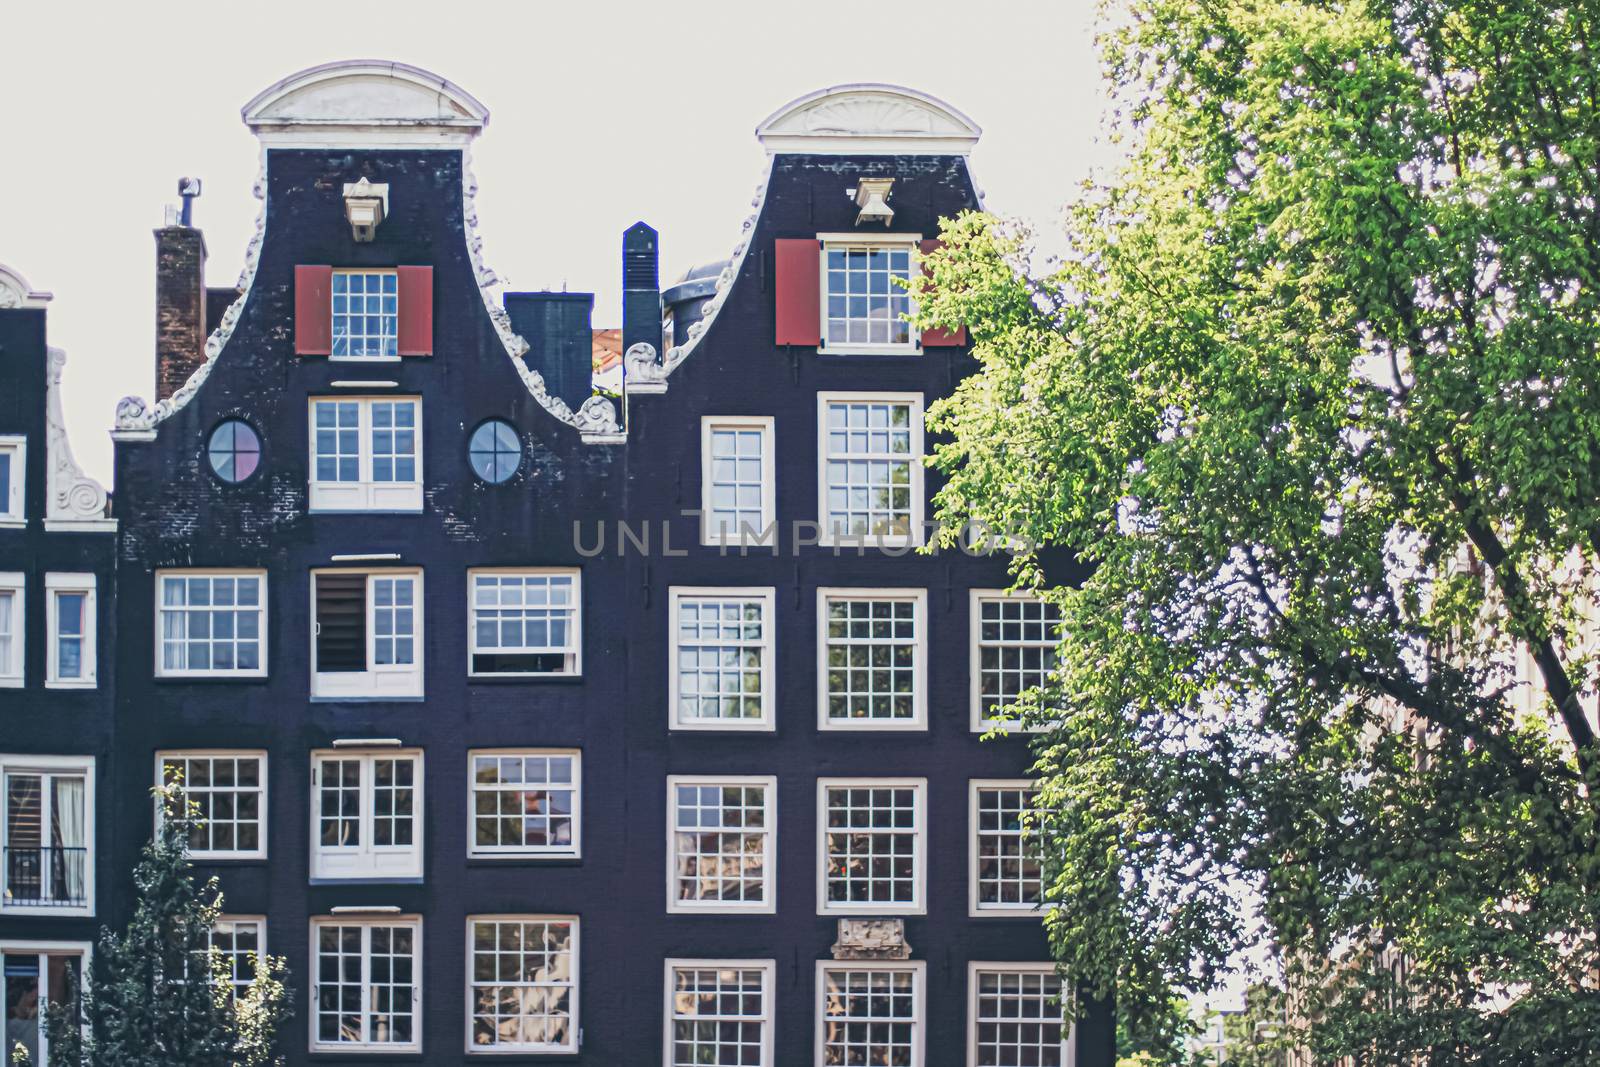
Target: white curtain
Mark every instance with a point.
(68, 832)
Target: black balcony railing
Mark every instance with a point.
(46, 877)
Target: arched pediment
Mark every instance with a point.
(15, 292)
(868, 119)
(361, 101)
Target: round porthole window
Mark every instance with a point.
(234, 450)
(495, 451)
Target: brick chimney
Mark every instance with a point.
(180, 306)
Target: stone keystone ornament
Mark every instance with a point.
(871, 939)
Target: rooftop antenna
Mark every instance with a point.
(188, 189)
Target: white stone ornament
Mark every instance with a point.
(74, 501)
(15, 292)
(868, 118)
(871, 939)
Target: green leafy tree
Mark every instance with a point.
(158, 994)
(1315, 392)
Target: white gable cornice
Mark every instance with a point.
(364, 102)
(868, 119)
(15, 292)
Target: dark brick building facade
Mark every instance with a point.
(531, 723)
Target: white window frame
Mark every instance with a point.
(14, 508)
(919, 679)
(766, 529)
(768, 1017)
(364, 494)
(379, 681)
(767, 597)
(919, 992)
(977, 967)
(574, 988)
(51, 766)
(162, 609)
(574, 651)
(976, 909)
(827, 537)
(56, 584)
(477, 851)
(919, 876)
(368, 861)
(257, 754)
(768, 904)
(16, 583)
(367, 922)
(912, 243)
(333, 316)
(84, 950)
(260, 922)
(976, 599)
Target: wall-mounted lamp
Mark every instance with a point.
(365, 205)
(872, 197)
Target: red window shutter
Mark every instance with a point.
(799, 278)
(416, 311)
(937, 337)
(313, 311)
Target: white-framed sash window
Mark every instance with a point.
(525, 802)
(367, 992)
(211, 624)
(241, 941)
(366, 314)
(13, 480)
(738, 487)
(366, 814)
(722, 652)
(719, 1012)
(13, 613)
(33, 976)
(1015, 1015)
(872, 653)
(872, 846)
(525, 621)
(366, 640)
(229, 791)
(1015, 638)
(871, 1012)
(865, 301)
(71, 617)
(48, 835)
(1004, 873)
(522, 983)
(366, 453)
(721, 843)
(869, 468)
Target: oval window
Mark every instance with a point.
(495, 451)
(234, 450)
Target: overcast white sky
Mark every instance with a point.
(602, 113)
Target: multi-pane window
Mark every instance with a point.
(873, 658)
(11, 628)
(525, 803)
(720, 854)
(871, 467)
(48, 838)
(366, 454)
(525, 622)
(240, 943)
(367, 992)
(35, 976)
(1014, 642)
(736, 476)
(719, 1013)
(366, 314)
(722, 652)
(867, 298)
(870, 1014)
(13, 454)
(1006, 873)
(212, 624)
(367, 810)
(367, 641)
(229, 792)
(1016, 1016)
(872, 847)
(524, 984)
(72, 629)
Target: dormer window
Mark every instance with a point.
(866, 297)
(366, 314)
